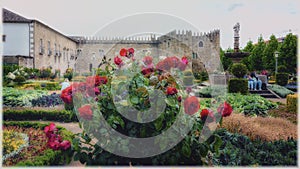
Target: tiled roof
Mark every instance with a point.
(9, 16)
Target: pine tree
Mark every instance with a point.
(268, 55)
(288, 53)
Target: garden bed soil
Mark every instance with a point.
(283, 113)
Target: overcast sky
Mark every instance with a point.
(256, 17)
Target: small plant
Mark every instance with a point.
(282, 79)
(19, 79)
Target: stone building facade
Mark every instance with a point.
(47, 47)
(201, 48)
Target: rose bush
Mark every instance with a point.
(145, 86)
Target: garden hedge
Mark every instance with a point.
(238, 85)
(291, 103)
(50, 115)
(49, 157)
(282, 79)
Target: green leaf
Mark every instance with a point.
(171, 101)
(134, 100)
(203, 150)
(186, 150)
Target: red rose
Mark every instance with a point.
(147, 60)
(64, 145)
(225, 109)
(208, 115)
(102, 80)
(50, 129)
(184, 60)
(118, 61)
(123, 52)
(179, 98)
(131, 51)
(171, 91)
(54, 145)
(146, 71)
(86, 112)
(66, 95)
(191, 105)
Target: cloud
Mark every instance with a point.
(234, 6)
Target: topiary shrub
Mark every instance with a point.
(239, 70)
(282, 79)
(238, 85)
(291, 103)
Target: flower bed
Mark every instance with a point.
(29, 114)
(253, 105)
(13, 143)
(38, 152)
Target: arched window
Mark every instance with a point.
(200, 44)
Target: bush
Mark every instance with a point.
(45, 73)
(19, 79)
(202, 76)
(69, 76)
(48, 157)
(50, 115)
(47, 100)
(281, 91)
(282, 79)
(238, 86)
(239, 150)
(239, 70)
(291, 103)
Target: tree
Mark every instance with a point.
(288, 53)
(226, 62)
(248, 48)
(255, 57)
(268, 55)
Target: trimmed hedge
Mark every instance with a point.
(49, 157)
(237, 85)
(50, 115)
(291, 103)
(42, 86)
(282, 79)
(239, 70)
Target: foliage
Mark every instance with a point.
(41, 85)
(248, 48)
(256, 55)
(226, 62)
(18, 98)
(13, 142)
(236, 85)
(252, 105)
(202, 76)
(47, 100)
(281, 69)
(19, 79)
(268, 55)
(38, 153)
(292, 102)
(282, 79)
(239, 70)
(49, 115)
(280, 90)
(68, 74)
(44, 73)
(288, 53)
(239, 150)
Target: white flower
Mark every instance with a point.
(11, 76)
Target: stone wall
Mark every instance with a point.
(58, 58)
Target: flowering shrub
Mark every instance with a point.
(132, 91)
(55, 141)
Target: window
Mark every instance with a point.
(49, 48)
(91, 67)
(55, 49)
(59, 50)
(195, 55)
(55, 57)
(41, 47)
(200, 44)
(3, 38)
